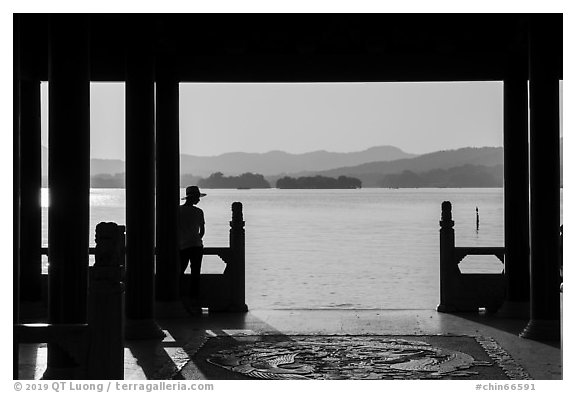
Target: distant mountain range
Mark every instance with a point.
(372, 174)
(267, 164)
(97, 165)
(369, 165)
(465, 176)
(383, 166)
(279, 162)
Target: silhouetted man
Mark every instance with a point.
(191, 231)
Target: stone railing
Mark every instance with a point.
(96, 348)
(466, 291)
(218, 292)
(226, 291)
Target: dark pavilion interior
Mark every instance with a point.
(153, 53)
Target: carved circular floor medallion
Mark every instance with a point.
(344, 357)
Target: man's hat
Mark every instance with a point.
(193, 192)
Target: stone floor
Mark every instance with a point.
(170, 357)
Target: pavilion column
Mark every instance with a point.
(516, 197)
(30, 183)
(16, 192)
(544, 183)
(140, 191)
(167, 187)
(68, 177)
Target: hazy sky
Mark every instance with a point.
(297, 118)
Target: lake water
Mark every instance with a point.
(363, 249)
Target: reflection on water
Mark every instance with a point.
(369, 248)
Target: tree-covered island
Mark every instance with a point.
(245, 180)
(318, 182)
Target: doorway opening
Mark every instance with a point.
(412, 145)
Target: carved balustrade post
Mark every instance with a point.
(448, 266)
(238, 260)
(106, 304)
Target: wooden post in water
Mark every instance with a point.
(237, 248)
(448, 266)
(106, 304)
(477, 220)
